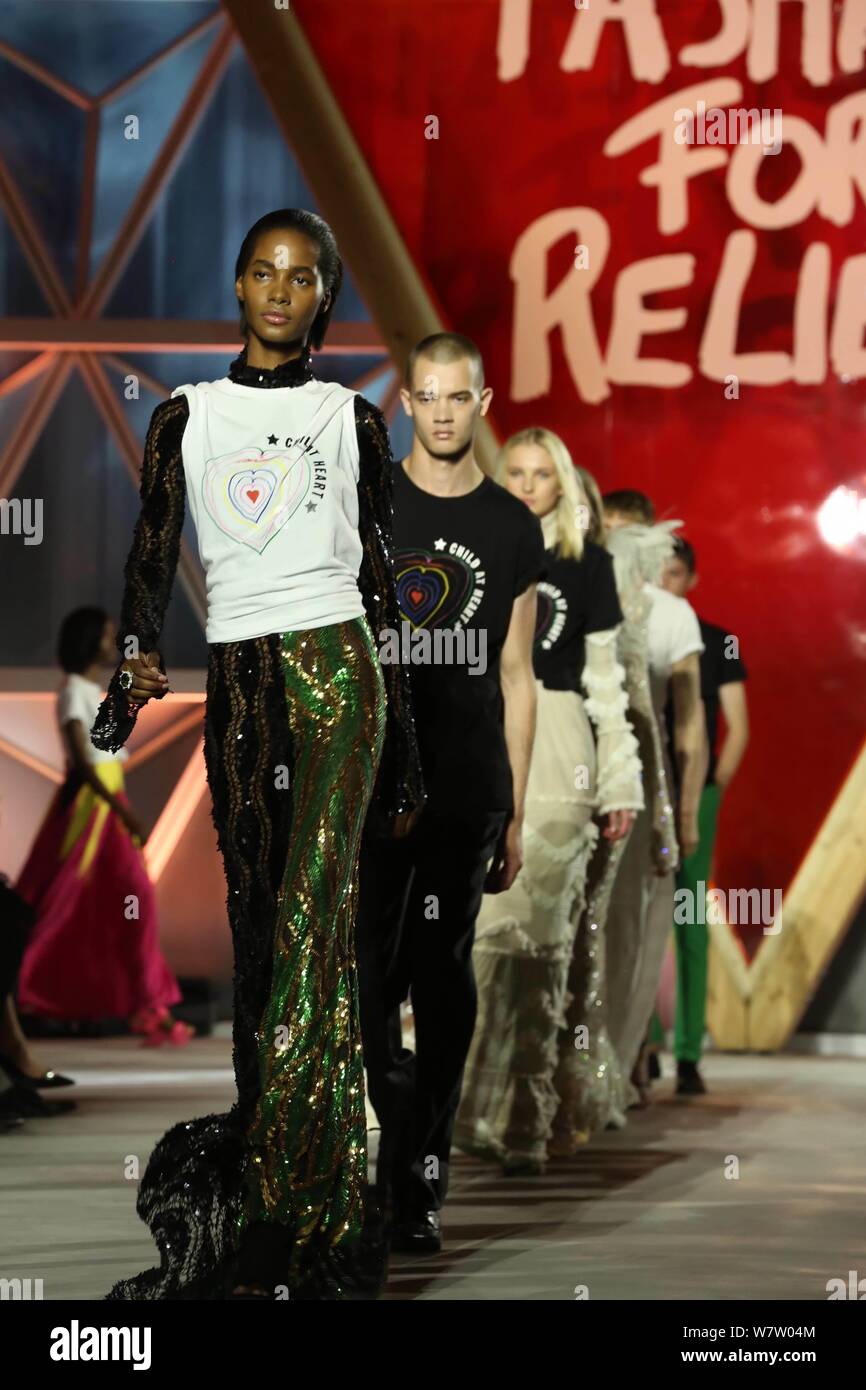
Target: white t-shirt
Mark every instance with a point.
(80, 699)
(673, 633)
(272, 482)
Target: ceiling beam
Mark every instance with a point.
(28, 427)
(162, 335)
(167, 159)
(32, 244)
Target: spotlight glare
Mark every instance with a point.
(842, 517)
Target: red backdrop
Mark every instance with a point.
(746, 474)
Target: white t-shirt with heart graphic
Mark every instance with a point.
(272, 484)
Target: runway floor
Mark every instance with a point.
(647, 1213)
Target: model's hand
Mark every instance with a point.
(148, 682)
(619, 823)
(508, 859)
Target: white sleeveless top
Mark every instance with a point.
(271, 480)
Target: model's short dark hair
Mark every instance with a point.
(80, 639)
(629, 502)
(330, 262)
(685, 551)
(445, 347)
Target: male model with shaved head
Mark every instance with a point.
(467, 558)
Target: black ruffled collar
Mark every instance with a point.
(294, 373)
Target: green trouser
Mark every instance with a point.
(693, 937)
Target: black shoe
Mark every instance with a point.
(30, 1105)
(689, 1080)
(48, 1080)
(423, 1236)
(654, 1067)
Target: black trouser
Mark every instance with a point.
(418, 901)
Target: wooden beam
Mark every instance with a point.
(757, 1006)
(163, 335)
(123, 368)
(88, 201)
(31, 423)
(32, 244)
(817, 910)
(30, 760)
(728, 991)
(167, 159)
(193, 719)
(46, 77)
(29, 372)
(173, 46)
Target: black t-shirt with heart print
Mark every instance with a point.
(575, 597)
(460, 562)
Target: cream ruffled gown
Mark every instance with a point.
(525, 936)
(623, 927)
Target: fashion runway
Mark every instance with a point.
(646, 1213)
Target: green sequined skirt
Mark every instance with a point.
(307, 1143)
(273, 1191)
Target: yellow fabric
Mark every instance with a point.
(110, 775)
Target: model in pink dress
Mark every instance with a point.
(94, 952)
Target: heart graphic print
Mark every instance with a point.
(251, 493)
(432, 590)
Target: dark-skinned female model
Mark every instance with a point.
(288, 480)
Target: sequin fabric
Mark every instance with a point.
(308, 1142)
(293, 737)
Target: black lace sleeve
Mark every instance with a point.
(400, 784)
(151, 563)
